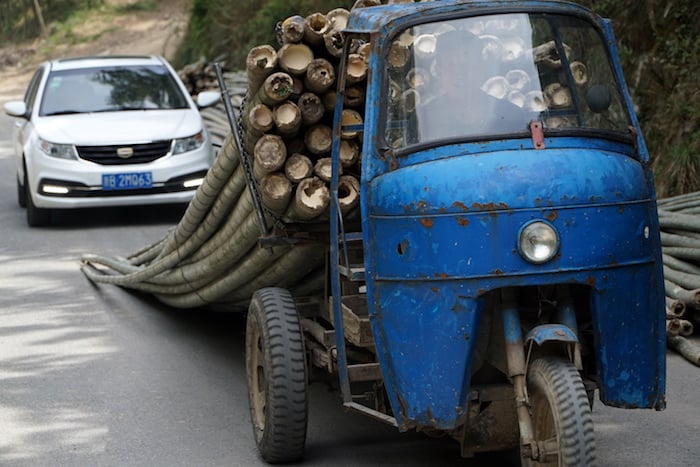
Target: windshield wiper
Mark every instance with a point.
(63, 112)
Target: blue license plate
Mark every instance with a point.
(127, 181)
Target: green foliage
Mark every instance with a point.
(18, 21)
(220, 30)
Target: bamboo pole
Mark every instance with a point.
(269, 155)
(275, 192)
(292, 29)
(688, 349)
(294, 58)
(288, 118)
(315, 26)
(318, 139)
(298, 167)
(310, 200)
(311, 107)
(320, 76)
(261, 62)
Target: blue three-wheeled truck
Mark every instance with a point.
(504, 268)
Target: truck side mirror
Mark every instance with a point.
(598, 98)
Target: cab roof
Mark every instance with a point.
(384, 18)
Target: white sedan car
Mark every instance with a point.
(107, 131)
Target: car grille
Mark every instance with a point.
(142, 153)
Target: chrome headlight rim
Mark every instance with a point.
(528, 243)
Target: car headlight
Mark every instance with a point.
(181, 145)
(538, 242)
(62, 151)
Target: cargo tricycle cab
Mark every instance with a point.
(509, 256)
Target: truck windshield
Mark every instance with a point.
(491, 76)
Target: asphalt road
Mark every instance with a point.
(103, 377)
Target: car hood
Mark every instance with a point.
(124, 127)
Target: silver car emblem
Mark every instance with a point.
(125, 153)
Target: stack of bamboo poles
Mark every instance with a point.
(287, 118)
(680, 240)
(212, 258)
(198, 76)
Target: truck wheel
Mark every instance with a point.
(276, 371)
(561, 415)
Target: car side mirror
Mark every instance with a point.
(17, 109)
(207, 98)
(598, 98)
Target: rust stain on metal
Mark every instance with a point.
(442, 275)
(435, 290)
(489, 206)
(590, 281)
(462, 221)
(421, 205)
(552, 216)
(427, 223)
(460, 205)
(497, 272)
(621, 210)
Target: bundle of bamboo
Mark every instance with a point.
(680, 240)
(212, 257)
(287, 117)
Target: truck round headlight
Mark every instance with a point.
(538, 242)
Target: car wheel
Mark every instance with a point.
(36, 217)
(21, 195)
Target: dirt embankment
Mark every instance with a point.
(109, 31)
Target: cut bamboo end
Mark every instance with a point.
(673, 327)
(424, 45)
(287, 118)
(349, 152)
(350, 117)
(686, 328)
(269, 155)
(275, 89)
(311, 107)
(364, 49)
(275, 192)
(258, 120)
(674, 308)
(579, 73)
(315, 26)
(294, 58)
(292, 29)
(310, 200)
(334, 42)
(348, 193)
(354, 96)
(261, 62)
(557, 96)
(318, 139)
(320, 75)
(417, 78)
(356, 70)
(323, 169)
(398, 55)
(365, 4)
(338, 18)
(298, 167)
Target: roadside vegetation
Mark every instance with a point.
(658, 42)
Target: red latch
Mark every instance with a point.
(537, 134)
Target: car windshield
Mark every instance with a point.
(109, 89)
(492, 76)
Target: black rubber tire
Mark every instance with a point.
(561, 412)
(276, 372)
(21, 195)
(36, 217)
